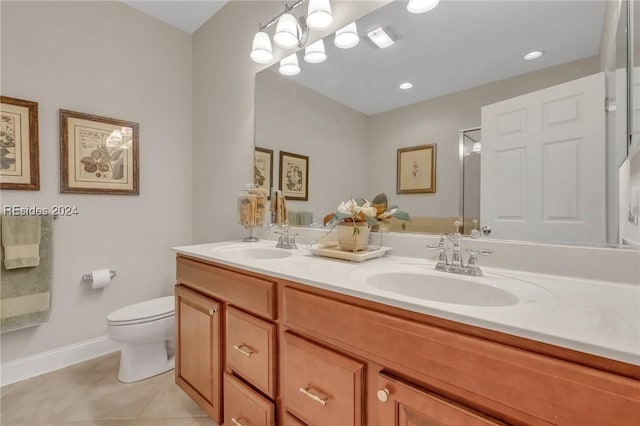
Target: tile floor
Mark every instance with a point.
(89, 394)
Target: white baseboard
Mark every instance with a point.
(55, 359)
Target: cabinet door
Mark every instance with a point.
(198, 340)
(401, 404)
(321, 387)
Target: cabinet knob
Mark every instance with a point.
(213, 311)
(383, 395)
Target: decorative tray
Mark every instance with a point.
(333, 251)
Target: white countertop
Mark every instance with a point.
(590, 316)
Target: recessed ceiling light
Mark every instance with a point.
(380, 38)
(406, 85)
(532, 55)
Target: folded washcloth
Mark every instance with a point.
(278, 208)
(21, 241)
(261, 205)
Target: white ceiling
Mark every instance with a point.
(458, 45)
(188, 15)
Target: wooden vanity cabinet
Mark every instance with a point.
(290, 354)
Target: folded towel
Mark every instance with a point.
(25, 293)
(247, 210)
(294, 218)
(21, 241)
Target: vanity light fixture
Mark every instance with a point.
(406, 85)
(533, 55)
(347, 37)
(319, 15)
(315, 53)
(421, 6)
(290, 32)
(289, 65)
(380, 38)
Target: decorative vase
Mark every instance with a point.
(353, 237)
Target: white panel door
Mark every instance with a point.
(543, 164)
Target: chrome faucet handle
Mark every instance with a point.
(442, 256)
(472, 263)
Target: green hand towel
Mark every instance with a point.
(21, 241)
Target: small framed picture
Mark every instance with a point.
(98, 155)
(416, 172)
(19, 157)
(294, 176)
(263, 169)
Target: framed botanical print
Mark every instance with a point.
(98, 155)
(19, 157)
(416, 169)
(294, 176)
(263, 169)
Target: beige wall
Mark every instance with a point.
(438, 121)
(292, 118)
(107, 59)
(223, 104)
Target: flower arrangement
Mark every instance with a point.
(359, 211)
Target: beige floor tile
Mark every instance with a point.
(8, 388)
(171, 401)
(103, 364)
(110, 399)
(194, 421)
(36, 400)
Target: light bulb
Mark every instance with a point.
(315, 53)
(286, 35)
(421, 6)
(289, 65)
(319, 15)
(261, 48)
(347, 37)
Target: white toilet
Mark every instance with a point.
(147, 329)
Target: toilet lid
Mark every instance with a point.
(161, 307)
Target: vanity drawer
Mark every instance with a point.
(253, 294)
(244, 406)
(320, 386)
(251, 349)
(495, 378)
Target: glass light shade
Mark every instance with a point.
(286, 35)
(289, 65)
(477, 147)
(261, 51)
(421, 6)
(347, 37)
(314, 53)
(319, 15)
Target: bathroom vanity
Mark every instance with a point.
(268, 336)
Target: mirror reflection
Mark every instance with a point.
(512, 93)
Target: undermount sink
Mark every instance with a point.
(422, 284)
(246, 252)
(443, 289)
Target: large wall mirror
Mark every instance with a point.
(533, 150)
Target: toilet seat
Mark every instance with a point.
(147, 311)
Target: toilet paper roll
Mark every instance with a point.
(100, 278)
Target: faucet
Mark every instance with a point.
(286, 240)
(456, 264)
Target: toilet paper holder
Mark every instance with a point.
(89, 279)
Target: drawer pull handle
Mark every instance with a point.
(238, 421)
(316, 398)
(244, 350)
(383, 395)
